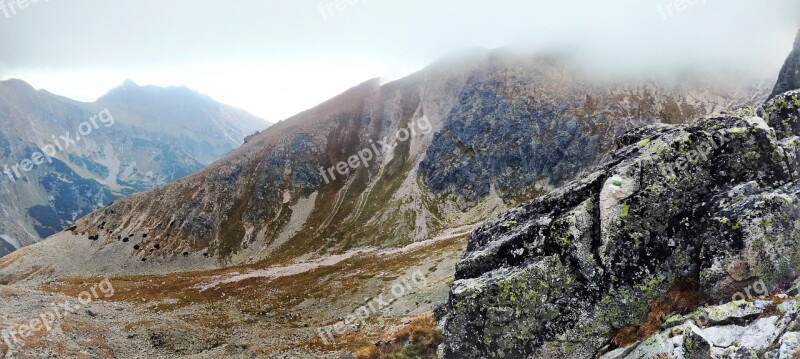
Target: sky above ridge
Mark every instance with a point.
(277, 58)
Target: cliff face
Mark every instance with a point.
(789, 78)
(678, 217)
(522, 127)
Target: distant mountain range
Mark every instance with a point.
(157, 135)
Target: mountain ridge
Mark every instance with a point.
(266, 200)
(103, 166)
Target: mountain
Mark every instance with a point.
(789, 78)
(137, 138)
(490, 130)
(344, 226)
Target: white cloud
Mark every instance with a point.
(276, 58)
(273, 91)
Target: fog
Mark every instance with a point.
(276, 58)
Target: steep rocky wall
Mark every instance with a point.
(789, 78)
(525, 126)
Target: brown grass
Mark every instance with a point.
(88, 335)
(418, 340)
(684, 297)
(261, 298)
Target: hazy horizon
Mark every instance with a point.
(277, 59)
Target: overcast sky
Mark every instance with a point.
(276, 58)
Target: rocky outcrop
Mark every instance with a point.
(789, 78)
(706, 211)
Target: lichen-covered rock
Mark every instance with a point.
(733, 311)
(695, 345)
(714, 203)
(770, 335)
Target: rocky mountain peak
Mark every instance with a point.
(130, 90)
(797, 41)
(17, 87)
(129, 84)
(16, 83)
(789, 78)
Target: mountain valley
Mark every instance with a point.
(257, 256)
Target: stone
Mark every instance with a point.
(790, 345)
(737, 310)
(695, 345)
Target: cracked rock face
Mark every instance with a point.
(714, 203)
